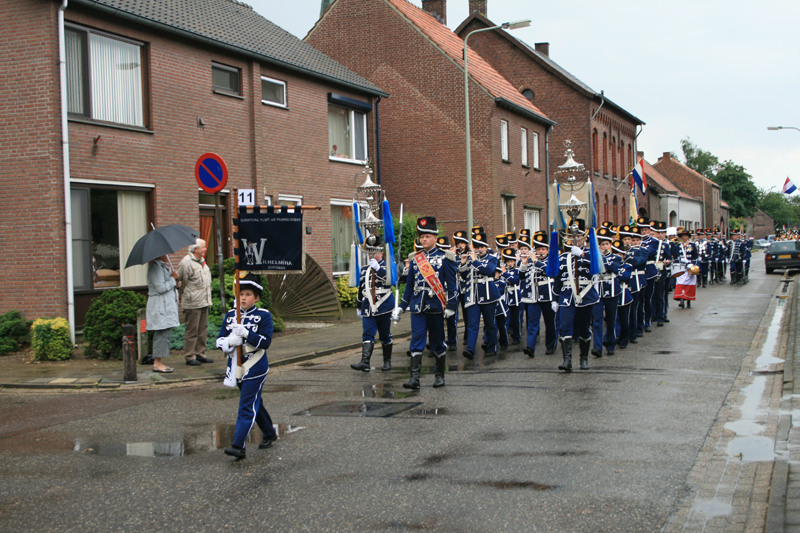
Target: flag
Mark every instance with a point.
(633, 210)
(639, 177)
(389, 238)
(789, 187)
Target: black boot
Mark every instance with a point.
(387, 357)
(688, 304)
(366, 353)
(680, 304)
(566, 350)
(416, 365)
(439, 379)
(705, 280)
(585, 345)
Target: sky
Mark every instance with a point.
(716, 71)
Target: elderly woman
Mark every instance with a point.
(162, 308)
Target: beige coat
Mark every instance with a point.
(195, 278)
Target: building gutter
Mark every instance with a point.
(547, 173)
(511, 106)
(225, 46)
(378, 138)
(602, 101)
(62, 64)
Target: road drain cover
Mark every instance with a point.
(373, 409)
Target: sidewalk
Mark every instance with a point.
(320, 339)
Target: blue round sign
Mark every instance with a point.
(211, 172)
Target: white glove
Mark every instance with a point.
(358, 312)
(448, 313)
(234, 341)
(374, 265)
(396, 314)
(240, 330)
(554, 306)
(577, 252)
(222, 344)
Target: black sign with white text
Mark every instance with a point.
(269, 242)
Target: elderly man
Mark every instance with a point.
(195, 291)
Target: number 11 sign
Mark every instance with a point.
(246, 197)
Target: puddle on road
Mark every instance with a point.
(712, 508)
(750, 444)
(381, 391)
(773, 337)
(359, 409)
(220, 437)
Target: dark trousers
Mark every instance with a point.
(452, 328)
(251, 409)
(427, 327)
(576, 322)
(513, 323)
(623, 319)
(597, 325)
(606, 311)
(647, 319)
(380, 324)
(633, 315)
(502, 332)
(534, 313)
(474, 314)
(659, 293)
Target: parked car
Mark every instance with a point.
(771, 238)
(782, 254)
(761, 244)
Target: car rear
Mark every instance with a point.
(782, 255)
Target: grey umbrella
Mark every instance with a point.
(161, 241)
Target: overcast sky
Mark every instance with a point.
(717, 71)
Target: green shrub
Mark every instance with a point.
(14, 330)
(104, 320)
(51, 340)
(347, 294)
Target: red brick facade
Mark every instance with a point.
(422, 123)
(270, 149)
(604, 144)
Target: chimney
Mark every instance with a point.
(639, 155)
(479, 6)
(543, 48)
(665, 157)
(437, 8)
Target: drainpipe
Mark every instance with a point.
(602, 101)
(62, 63)
(378, 139)
(547, 174)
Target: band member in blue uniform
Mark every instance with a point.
(637, 258)
(736, 257)
(461, 240)
(501, 310)
(254, 334)
(511, 276)
(748, 255)
(375, 303)
(650, 244)
(623, 276)
(536, 293)
(575, 293)
(432, 294)
(703, 256)
(662, 260)
(451, 323)
(609, 293)
(480, 293)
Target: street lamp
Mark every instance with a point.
(506, 26)
(775, 128)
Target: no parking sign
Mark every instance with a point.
(211, 172)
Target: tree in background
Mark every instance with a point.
(738, 189)
(699, 160)
(782, 208)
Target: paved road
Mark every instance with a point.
(509, 445)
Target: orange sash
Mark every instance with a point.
(429, 274)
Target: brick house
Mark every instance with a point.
(697, 185)
(411, 54)
(603, 133)
(675, 207)
(760, 225)
(150, 86)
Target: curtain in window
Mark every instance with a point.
(76, 71)
(82, 271)
(116, 81)
(524, 147)
(339, 132)
(342, 229)
(360, 133)
(132, 212)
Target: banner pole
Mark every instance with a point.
(220, 267)
(236, 302)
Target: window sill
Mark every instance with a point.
(227, 93)
(537, 169)
(274, 104)
(525, 166)
(506, 161)
(606, 176)
(110, 125)
(344, 160)
(596, 174)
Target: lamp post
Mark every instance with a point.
(506, 26)
(775, 128)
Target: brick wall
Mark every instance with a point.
(422, 123)
(270, 149)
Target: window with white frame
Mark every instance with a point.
(290, 200)
(347, 134)
(508, 213)
(536, 150)
(504, 140)
(532, 219)
(104, 77)
(225, 79)
(342, 230)
(273, 92)
(524, 147)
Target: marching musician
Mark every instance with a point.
(461, 241)
(536, 293)
(609, 294)
(374, 303)
(511, 276)
(686, 285)
(477, 269)
(624, 273)
(736, 256)
(662, 260)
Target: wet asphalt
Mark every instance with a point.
(511, 444)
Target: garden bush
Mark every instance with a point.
(104, 320)
(347, 294)
(50, 339)
(14, 331)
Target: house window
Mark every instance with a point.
(290, 200)
(595, 158)
(622, 161)
(524, 146)
(504, 140)
(536, 150)
(273, 92)
(605, 155)
(615, 206)
(347, 134)
(104, 77)
(508, 213)
(613, 156)
(106, 225)
(605, 209)
(342, 230)
(225, 79)
(532, 219)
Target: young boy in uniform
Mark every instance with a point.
(254, 335)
